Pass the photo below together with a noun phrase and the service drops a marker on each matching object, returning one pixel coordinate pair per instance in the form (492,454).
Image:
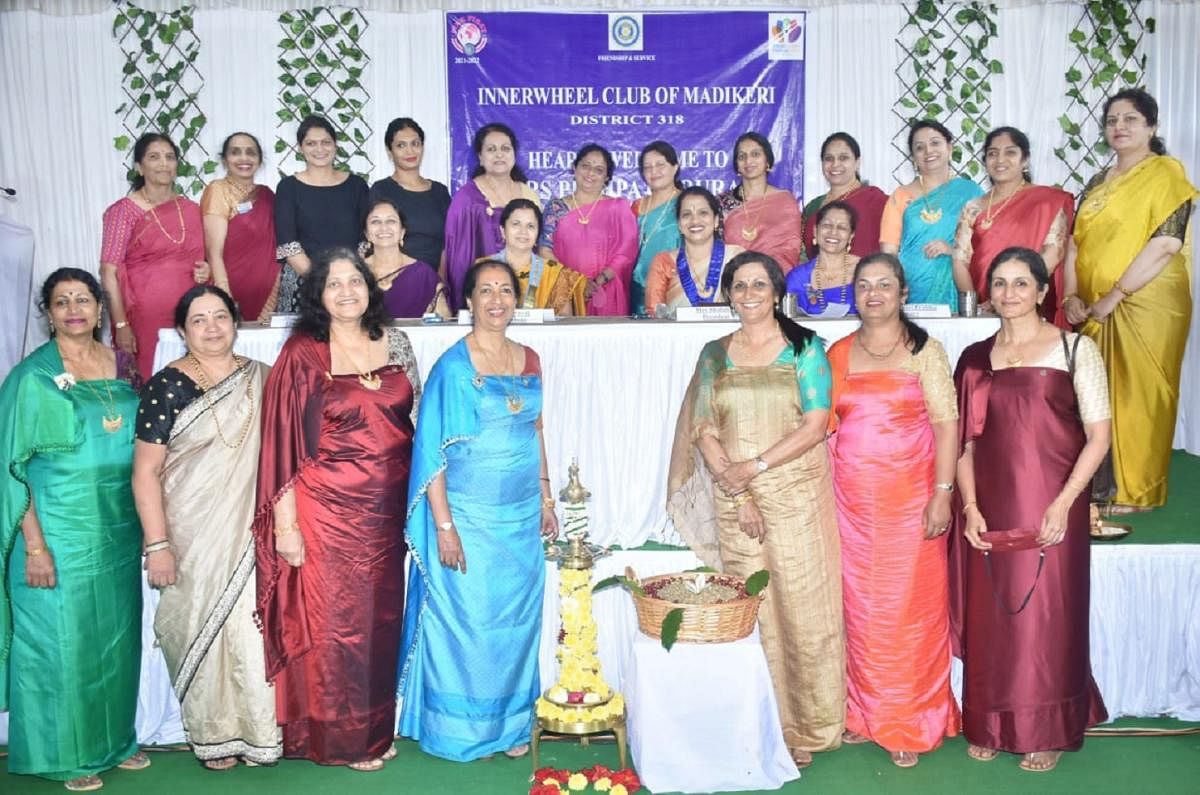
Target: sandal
(981,753)
(517,751)
(905,758)
(369,766)
(84,784)
(390,754)
(854,738)
(801,758)
(1040,761)
(139,761)
(220,763)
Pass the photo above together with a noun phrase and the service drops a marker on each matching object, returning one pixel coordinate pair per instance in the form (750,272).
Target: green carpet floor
(1117,765)
(1177,522)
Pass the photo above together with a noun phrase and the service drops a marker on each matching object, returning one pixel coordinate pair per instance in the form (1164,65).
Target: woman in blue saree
(920,218)
(478,494)
(657,228)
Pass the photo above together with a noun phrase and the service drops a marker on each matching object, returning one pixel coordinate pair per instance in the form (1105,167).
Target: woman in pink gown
(594,234)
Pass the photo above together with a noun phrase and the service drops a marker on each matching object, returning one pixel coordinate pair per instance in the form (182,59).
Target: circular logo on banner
(468,34)
(626,31)
(786,31)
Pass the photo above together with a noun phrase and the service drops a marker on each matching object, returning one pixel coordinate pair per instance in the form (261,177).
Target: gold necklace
(158,222)
(644,236)
(989,217)
(512,399)
(750,231)
(927,215)
(583,219)
(369,380)
(492,206)
(878,356)
(818,281)
(111,420)
(206,385)
(842,197)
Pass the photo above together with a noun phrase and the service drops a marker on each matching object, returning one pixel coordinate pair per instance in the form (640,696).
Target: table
(690,731)
(612,395)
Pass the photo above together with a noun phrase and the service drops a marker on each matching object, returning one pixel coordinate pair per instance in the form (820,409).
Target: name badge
(245,207)
(702,313)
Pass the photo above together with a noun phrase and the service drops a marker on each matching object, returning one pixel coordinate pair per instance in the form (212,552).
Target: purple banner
(696,80)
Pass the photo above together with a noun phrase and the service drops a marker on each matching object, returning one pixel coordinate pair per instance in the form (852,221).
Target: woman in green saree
(70,543)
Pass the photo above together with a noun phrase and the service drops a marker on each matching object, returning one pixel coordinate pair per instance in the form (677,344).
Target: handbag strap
(987,564)
(1069,353)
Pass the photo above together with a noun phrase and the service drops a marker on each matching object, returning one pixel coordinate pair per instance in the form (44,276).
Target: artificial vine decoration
(946,73)
(1107,40)
(161,85)
(321,64)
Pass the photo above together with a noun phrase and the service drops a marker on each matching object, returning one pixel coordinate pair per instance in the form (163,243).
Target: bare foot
(369,766)
(139,761)
(801,758)
(517,751)
(904,758)
(854,738)
(223,763)
(981,754)
(1040,761)
(389,754)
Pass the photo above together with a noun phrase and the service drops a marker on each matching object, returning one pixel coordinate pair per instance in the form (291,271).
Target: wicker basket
(714,623)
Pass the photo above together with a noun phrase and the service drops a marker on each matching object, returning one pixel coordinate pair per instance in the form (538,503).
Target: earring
(814,241)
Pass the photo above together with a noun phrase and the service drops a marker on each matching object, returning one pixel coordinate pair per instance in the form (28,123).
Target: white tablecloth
(703,717)
(612,394)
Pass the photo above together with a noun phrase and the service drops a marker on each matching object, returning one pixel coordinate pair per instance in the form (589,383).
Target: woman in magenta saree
(594,234)
(152,251)
(336,448)
(1035,426)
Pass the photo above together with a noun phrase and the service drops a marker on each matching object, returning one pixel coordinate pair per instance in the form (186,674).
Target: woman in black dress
(423,201)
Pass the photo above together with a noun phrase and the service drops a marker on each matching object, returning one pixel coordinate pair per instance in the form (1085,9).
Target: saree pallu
(205,621)
(770,225)
(657,231)
(894,581)
(605,237)
(558,287)
(249,255)
(414,291)
(332,625)
(1143,340)
(472,231)
(1027,681)
(868,201)
(70,660)
(1025,220)
(156,268)
(800,620)
(931,281)
(470,670)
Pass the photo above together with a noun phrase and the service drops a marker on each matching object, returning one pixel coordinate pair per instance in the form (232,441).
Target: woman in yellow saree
(1128,287)
(545,283)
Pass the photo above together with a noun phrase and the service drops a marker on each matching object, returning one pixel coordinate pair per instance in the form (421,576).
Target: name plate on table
(522,316)
(282,320)
(691,314)
(927,310)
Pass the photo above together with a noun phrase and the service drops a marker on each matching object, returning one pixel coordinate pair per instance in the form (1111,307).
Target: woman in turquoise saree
(920,218)
(657,228)
(478,495)
(70,544)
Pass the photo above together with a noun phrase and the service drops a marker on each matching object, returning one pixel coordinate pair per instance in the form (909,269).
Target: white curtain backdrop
(60,85)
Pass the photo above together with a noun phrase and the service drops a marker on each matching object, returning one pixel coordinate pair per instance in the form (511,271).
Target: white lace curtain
(60,85)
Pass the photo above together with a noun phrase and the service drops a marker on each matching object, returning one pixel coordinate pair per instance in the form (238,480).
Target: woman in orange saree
(1128,282)
(757,215)
(1013,213)
(893,454)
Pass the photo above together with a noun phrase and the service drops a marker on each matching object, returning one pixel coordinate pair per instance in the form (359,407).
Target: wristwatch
(944,486)
(444,526)
(121,324)
(761,465)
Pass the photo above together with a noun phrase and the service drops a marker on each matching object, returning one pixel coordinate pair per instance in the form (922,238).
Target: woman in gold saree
(754,417)
(1128,284)
(194,474)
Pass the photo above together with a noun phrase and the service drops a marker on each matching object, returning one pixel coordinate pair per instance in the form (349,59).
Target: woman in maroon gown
(336,451)
(1034,411)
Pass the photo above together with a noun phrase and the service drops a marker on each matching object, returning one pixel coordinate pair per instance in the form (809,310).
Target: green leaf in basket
(704,569)
(757,581)
(672,621)
(623,581)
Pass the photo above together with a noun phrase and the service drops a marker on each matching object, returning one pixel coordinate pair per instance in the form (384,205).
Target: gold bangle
(280,532)
(1117,286)
(157,546)
(120,324)
(33,553)
(548,502)
(1068,298)
(742,498)
(968,504)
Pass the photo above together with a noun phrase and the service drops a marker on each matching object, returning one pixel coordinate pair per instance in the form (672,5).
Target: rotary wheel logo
(626,31)
(468,35)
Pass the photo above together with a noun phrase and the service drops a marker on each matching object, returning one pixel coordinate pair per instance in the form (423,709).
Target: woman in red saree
(594,234)
(1035,426)
(152,251)
(893,458)
(239,230)
(329,530)
(757,215)
(840,158)
(1013,213)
